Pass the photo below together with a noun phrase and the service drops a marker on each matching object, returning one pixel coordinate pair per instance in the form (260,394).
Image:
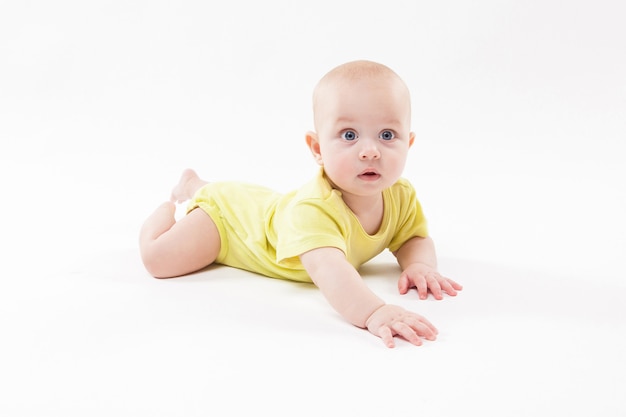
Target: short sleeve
(411,221)
(308,225)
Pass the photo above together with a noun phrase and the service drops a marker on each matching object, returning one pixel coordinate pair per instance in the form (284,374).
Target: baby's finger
(423,326)
(422,287)
(403,284)
(425,330)
(434,287)
(447,287)
(407,332)
(385,334)
(455,285)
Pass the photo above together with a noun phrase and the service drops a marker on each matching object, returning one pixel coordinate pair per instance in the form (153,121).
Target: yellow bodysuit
(264,231)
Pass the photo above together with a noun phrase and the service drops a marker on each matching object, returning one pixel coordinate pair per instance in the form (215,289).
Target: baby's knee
(155,263)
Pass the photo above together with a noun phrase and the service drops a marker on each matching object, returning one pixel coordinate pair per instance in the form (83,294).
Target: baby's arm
(345,290)
(418,261)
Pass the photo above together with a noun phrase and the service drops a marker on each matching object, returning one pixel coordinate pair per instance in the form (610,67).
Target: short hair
(358,70)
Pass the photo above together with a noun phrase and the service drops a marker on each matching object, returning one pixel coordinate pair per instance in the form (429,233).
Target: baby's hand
(425,278)
(390,320)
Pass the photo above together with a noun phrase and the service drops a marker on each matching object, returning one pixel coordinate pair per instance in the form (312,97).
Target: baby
(354,208)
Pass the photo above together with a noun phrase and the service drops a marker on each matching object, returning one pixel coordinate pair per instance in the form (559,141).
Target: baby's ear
(411,138)
(313,143)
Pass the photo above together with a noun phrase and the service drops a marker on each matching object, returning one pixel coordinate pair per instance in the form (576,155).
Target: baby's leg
(169,248)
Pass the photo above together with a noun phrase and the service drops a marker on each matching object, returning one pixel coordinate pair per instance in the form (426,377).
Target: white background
(520,114)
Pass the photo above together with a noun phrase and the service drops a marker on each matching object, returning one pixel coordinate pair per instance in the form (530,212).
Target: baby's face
(363,131)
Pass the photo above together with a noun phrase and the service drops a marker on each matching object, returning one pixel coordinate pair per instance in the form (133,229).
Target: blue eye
(349,135)
(387,135)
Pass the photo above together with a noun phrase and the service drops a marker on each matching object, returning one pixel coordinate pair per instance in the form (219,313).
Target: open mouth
(369,175)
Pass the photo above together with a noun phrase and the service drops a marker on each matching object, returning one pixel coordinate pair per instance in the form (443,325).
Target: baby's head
(360,74)
(362,118)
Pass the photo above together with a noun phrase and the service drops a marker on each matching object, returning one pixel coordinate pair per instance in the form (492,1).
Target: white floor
(520,115)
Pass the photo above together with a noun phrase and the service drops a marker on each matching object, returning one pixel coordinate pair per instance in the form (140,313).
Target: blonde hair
(357,70)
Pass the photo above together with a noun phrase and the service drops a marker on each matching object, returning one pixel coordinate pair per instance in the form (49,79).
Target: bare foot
(187,186)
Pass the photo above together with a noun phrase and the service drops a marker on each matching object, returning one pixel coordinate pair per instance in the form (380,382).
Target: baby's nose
(369,151)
